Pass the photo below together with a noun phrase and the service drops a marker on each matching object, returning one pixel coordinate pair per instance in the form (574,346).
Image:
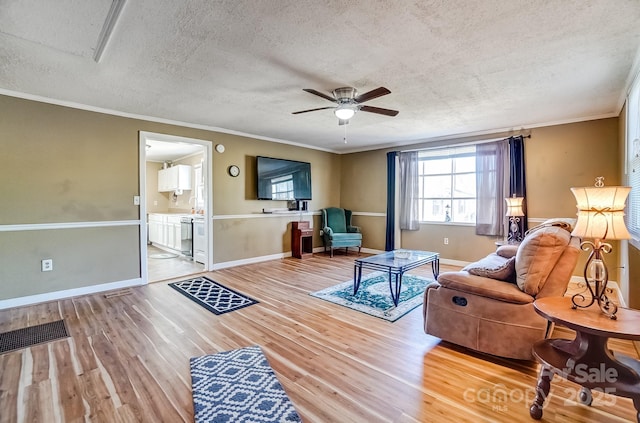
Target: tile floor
(168,268)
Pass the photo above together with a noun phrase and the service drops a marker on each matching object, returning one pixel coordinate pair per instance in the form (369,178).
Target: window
(633,159)
(447,185)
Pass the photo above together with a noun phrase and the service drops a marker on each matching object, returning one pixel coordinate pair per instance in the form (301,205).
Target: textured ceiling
(162,151)
(453,67)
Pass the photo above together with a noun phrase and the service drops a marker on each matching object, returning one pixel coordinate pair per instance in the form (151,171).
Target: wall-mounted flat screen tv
(280,179)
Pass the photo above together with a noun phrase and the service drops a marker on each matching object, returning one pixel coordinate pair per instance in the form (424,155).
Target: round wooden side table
(586,360)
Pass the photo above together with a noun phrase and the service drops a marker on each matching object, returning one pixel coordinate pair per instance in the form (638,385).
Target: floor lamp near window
(514,213)
(600,218)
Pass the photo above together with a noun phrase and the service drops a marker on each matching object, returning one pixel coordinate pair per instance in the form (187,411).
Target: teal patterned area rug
(374,297)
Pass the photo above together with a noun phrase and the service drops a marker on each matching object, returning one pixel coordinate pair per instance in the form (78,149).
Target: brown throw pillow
(495,267)
(507,251)
(538,255)
(564,223)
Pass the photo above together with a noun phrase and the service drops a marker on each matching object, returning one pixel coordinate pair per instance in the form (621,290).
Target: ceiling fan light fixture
(344,112)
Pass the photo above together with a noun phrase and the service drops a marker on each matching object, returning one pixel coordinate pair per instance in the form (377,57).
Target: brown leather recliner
(497,316)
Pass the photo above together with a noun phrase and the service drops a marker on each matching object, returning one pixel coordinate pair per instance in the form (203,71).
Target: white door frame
(207,167)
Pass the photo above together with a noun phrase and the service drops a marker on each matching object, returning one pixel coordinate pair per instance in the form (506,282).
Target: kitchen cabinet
(156,229)
(173,229)
(170,232)
(175,178)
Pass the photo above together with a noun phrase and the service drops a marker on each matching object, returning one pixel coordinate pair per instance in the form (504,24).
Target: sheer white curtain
(492,186)
(409,190)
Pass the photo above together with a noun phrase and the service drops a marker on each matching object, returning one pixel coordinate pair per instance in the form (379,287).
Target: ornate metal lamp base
(514,236)
(599,279)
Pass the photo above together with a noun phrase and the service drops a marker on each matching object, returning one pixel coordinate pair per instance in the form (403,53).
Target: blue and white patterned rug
(374,297)
(238,386)
(211,295)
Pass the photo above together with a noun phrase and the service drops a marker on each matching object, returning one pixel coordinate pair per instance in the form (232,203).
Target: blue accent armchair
(337,231)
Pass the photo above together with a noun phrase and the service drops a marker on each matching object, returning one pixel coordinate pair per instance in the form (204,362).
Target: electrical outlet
(47,265)
(446,241)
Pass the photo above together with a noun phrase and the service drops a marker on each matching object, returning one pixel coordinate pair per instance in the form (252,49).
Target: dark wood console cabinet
(301,240)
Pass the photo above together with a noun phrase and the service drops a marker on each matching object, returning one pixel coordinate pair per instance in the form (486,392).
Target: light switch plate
(136,200)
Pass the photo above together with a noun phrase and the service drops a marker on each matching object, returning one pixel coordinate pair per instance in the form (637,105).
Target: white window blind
(633,158)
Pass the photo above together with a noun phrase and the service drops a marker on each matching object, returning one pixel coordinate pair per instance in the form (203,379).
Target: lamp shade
(601,212)
(514,206)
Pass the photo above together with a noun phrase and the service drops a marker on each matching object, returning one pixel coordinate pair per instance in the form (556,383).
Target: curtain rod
(462,143)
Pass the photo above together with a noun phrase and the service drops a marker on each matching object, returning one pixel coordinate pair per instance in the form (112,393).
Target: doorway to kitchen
(175,206)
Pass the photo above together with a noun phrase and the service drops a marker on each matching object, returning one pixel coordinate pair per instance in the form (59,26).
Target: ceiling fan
(349,102)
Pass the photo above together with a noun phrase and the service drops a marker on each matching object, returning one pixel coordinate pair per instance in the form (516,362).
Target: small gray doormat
(33,335)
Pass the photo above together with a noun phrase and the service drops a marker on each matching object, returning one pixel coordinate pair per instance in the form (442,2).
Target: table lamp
(600,217)
(514,212)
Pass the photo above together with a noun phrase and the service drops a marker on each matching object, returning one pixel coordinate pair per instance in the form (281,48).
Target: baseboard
(234,263)
(67,293)
(454,262)
(252,260)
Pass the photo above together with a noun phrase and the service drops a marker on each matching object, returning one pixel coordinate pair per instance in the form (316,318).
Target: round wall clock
(220,148)
(234,170)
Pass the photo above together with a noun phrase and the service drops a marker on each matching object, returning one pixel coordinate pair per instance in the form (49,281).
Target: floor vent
(120,293)
(33,335)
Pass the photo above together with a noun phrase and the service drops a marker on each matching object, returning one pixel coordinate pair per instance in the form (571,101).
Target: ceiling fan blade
(343,122)
(379,110)
(319,94)
(312,110)
(378,92)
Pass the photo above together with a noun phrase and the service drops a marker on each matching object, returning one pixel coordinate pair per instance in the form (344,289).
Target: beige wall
(238,195)
(364,181)
(60,165)
(257,237)
(564,156)
(363,188)
(157,202)
(63,165)
(81,257)
(557,158)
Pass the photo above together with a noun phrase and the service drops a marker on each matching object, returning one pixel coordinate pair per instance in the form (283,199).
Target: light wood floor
(127,359)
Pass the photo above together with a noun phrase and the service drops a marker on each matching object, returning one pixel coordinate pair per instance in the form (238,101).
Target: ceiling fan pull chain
(345,133)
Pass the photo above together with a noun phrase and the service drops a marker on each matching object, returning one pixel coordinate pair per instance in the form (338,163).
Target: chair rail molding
(67,225)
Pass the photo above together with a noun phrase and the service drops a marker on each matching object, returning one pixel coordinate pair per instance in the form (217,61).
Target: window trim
(452,175)
(632,132)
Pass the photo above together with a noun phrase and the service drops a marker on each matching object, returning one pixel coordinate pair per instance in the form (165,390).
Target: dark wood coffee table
(586,360)
(391,263)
